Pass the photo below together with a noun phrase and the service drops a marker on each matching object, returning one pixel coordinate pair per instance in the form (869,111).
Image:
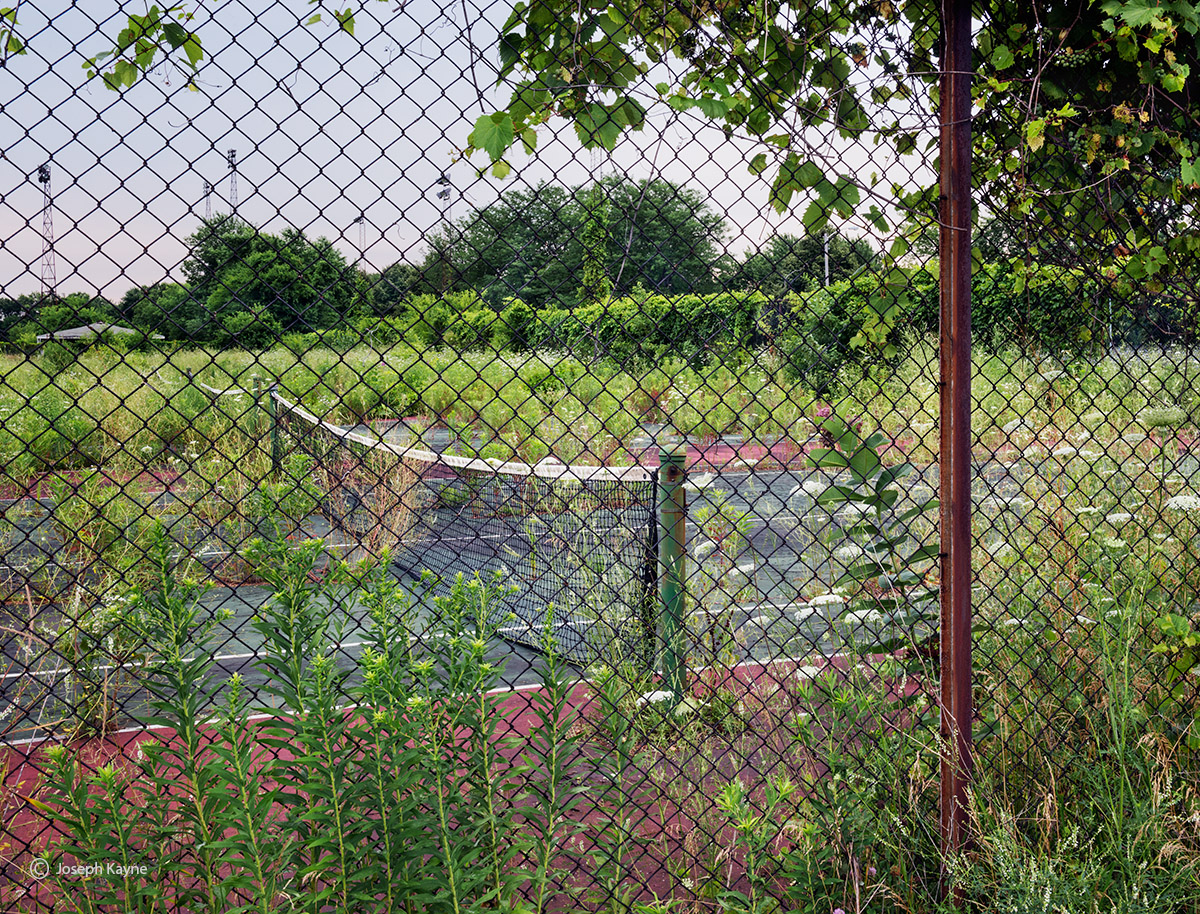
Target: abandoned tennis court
(599,458)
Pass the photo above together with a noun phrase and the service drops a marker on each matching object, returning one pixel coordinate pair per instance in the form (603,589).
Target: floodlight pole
(954,467)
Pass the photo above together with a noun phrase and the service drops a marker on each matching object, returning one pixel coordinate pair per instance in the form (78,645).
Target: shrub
(470,330)
(851,324)
(57,356)
(516,327)
(1040,309)
(249,330)
(643,329)
(293,804)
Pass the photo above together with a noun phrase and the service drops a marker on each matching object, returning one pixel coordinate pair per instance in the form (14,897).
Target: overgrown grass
(812,790)
(130,411)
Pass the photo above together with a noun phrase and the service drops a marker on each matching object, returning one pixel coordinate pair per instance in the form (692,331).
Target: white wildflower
(655,697)
(1187,502)
(811,488)
(1119,517)
(849,553)
(827,599)
(1162,417)
(808,672)
(1012,425)
(862,617)
(744,570)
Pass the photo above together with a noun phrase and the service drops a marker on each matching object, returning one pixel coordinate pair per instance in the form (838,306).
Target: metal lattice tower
(49,280)
(362,235)
(208,189)
(232,158)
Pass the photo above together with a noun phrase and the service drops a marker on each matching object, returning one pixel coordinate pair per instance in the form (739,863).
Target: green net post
(256,414)
(672,555)
(273,419)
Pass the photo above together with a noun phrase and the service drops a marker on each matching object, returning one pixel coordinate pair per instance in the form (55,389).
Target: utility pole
(825,236)
(444,195)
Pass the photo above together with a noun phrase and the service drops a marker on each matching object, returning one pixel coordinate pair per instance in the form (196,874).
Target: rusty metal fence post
(954,476)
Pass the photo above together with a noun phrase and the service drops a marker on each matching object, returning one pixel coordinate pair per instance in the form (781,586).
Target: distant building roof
(90,331)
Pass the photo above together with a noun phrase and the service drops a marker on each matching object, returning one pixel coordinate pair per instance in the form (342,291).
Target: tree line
(547,246)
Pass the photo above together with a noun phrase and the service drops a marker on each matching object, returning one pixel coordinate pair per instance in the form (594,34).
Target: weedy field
(807,740)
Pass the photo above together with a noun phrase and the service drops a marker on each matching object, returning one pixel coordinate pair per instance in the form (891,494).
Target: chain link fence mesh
(342,410)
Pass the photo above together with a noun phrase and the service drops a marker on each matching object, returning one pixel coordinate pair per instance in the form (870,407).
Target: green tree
(391,288)
(594,285)
(530,244)
(160,308)
(1087,112)
(787,263)
(262,284)
(49,314)
(12,312)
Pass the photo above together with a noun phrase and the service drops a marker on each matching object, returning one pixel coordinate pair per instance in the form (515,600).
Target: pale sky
(326,127)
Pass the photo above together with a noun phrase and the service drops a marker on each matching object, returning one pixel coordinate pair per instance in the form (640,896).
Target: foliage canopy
(1112,160)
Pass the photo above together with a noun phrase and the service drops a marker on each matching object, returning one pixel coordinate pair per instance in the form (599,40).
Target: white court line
(218,554)
(344,645)
(28,741)
(511,630)
(136,665)
(502,632)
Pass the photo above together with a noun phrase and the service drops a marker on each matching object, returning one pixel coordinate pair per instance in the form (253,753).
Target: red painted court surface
(763,697)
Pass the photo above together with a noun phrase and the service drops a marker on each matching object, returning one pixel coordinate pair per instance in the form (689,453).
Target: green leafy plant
(554,805)
(756,830)
(1181,649)
(726,526)
(614,837)
(405,801)
(890,572)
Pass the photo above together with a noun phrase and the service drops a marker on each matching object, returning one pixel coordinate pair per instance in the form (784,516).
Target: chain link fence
(487,457)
